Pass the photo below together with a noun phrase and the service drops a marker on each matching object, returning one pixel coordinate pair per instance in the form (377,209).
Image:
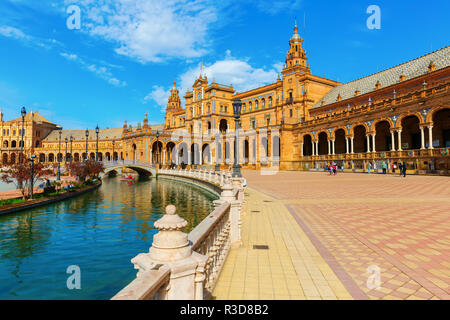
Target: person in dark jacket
(404,169)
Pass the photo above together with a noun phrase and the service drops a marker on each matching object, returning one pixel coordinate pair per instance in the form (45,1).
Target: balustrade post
(171,249)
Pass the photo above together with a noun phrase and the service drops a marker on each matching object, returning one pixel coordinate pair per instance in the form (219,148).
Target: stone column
(373,142)
(368,142)
(313,145)
(301,149)
(333,146)
(399,133)
(422,136)
(329,147)
(393,140)
(317,147)
(430,137)
(347,145)
(351,144)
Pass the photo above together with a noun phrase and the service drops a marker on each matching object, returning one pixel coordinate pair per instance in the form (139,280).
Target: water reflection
(99,231)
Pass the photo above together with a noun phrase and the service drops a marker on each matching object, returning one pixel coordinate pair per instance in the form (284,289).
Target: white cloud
(102,72)
(17,34)
(150,30)
(230,70)
(160,96)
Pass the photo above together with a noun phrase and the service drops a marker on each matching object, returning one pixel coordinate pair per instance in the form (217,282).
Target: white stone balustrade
(181,266)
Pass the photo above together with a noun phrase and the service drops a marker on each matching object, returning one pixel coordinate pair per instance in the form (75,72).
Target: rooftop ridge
(398,65)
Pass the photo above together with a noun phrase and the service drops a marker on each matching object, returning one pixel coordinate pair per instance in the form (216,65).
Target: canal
(99,232)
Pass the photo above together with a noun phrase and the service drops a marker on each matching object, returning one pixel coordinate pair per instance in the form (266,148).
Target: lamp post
(33,156)
(58,176)
(24,113)
(87,135)
(157,148)
(237,105)
(71,140)
(113,143)
(217,168)
(66,140)
(97,130)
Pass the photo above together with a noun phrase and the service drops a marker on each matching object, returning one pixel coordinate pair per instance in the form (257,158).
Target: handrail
(146,286)
(201,231)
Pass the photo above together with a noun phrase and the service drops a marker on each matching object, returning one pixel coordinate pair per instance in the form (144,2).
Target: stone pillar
(422,136)
(368,142)
(351,144)
(399,133)
(164,157)
(171,249)
(317,147)
(329,147)
(393,140)
(313,145)
(347,145)
(430,137)
(373,142)
(333,146)
(301,149)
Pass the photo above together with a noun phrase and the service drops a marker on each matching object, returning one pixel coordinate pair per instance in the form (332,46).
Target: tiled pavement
(346,223)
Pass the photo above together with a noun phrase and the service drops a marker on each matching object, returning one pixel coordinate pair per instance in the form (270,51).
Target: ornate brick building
(299,122)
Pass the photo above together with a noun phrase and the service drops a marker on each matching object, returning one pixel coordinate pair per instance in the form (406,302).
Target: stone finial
(170,243)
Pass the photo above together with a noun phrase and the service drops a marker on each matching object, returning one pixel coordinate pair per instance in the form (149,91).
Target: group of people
(402,167)
(332,168)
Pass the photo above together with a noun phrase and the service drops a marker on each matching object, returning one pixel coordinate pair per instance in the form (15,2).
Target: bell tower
(174,103)
(296,56)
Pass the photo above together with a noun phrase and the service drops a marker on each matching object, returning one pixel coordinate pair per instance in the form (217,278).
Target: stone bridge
(141,167)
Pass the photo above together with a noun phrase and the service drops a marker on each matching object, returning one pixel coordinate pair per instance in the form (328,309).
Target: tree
(90,168)
(20,174)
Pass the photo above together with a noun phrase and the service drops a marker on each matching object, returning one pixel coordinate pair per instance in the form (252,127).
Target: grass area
(47,195)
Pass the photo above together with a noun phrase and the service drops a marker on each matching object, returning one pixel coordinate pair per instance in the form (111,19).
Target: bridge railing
(115,163)
(204,253)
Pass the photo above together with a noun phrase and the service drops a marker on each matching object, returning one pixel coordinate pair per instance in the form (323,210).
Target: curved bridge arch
(142,168)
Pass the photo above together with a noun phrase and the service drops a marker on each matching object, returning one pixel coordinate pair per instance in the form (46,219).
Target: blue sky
(125,57)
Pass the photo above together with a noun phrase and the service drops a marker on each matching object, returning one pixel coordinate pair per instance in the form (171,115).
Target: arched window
(243,107)
(270,102)
(263,103)
(250,106)
(256,104)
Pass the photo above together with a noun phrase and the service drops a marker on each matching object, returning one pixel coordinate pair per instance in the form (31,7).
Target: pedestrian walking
(384,166)
(334,169)
(394,166)
(400,168)
(368,167)
(404,169)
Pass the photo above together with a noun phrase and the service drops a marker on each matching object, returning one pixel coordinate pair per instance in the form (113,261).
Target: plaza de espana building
(299,122)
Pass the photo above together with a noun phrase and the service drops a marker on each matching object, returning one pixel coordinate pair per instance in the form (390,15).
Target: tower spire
(295,27)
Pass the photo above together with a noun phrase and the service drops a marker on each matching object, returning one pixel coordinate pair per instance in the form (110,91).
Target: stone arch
(411,136)
(223,125)
(13,144)
(107,156)
(383,137)
(183,154)
(322,137)
(276,148)
(171,152)
(433,111)
(51,157)
(5,144)
(157,147)
(76,157)
(13,157)
(307,145)
(389,120)
(42,157)
(340,141)
(246,151)
(359,138)
(206,156)
(5,159)
(357,125)
(441,127)
(409,114)
(195,154)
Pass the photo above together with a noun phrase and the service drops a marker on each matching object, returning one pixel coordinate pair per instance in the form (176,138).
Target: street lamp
(24,113)
(87,135)
(58,177)
(33,156)
(217,168)
(113,143)
(66,140)
(97,130)
(71,140)
(237,105)
(157,148)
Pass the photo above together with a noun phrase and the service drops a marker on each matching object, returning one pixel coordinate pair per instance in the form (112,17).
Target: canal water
(99,232)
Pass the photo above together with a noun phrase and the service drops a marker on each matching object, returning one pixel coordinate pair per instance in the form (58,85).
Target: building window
(256,104)
(290,113)
(226,109)
(270,102)
(243,107)
(250,106)
(263,103)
